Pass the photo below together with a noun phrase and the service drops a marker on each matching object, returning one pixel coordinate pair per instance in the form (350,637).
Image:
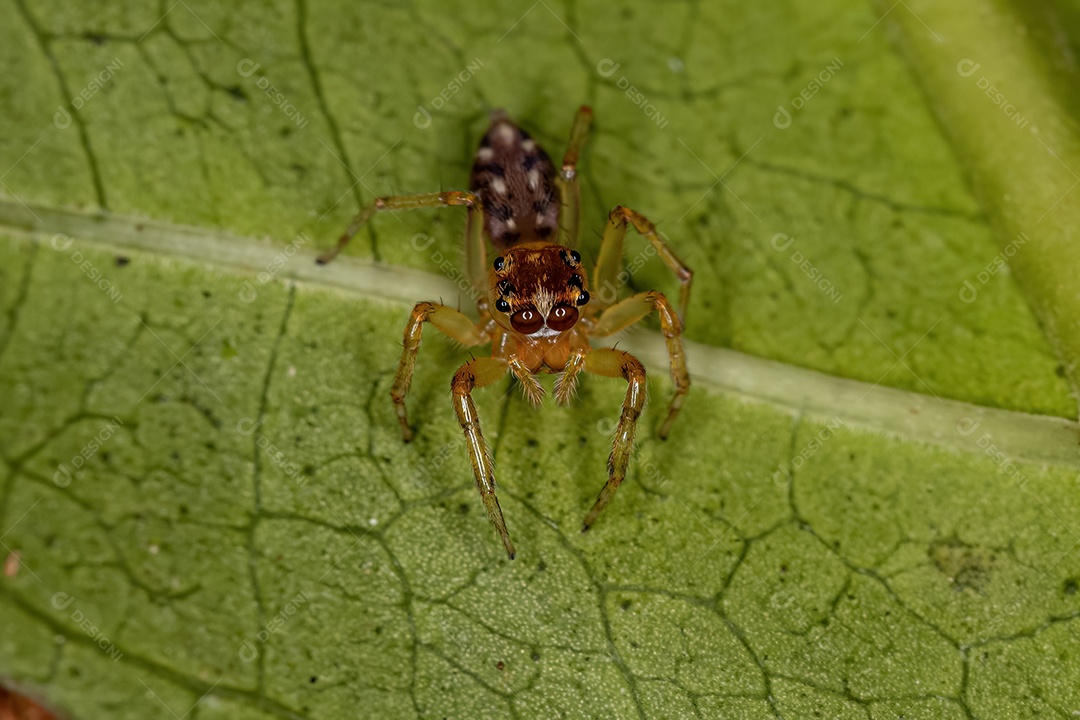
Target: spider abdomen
(515,180)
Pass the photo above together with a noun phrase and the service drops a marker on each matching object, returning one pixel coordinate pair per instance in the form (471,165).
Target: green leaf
(867,508)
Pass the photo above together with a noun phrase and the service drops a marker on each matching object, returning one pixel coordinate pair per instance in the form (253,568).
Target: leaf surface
(867,508)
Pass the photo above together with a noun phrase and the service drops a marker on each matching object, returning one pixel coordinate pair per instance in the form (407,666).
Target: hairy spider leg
(476,374)
(451,322)
(633,309)
(610,263)
(567,179)
(617,363)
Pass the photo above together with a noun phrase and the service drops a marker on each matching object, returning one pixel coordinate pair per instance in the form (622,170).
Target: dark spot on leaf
(500,665)
(967,567)
(313,679)
(237,93)
(121,261)
(1070,587)
(464,508)
(625,604)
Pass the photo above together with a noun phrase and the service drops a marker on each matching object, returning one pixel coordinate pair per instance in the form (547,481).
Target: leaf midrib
(796,390)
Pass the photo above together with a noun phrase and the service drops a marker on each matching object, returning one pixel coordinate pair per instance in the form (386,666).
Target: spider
(534,305)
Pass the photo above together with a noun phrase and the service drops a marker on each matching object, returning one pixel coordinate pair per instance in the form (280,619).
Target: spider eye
(562,318)
(527,321)
(502,306)
(583,297)
(500,263)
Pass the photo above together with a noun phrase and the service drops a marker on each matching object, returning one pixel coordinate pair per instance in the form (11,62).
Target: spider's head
(537,288)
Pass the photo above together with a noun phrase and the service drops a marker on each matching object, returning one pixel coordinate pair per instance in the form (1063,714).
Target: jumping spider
(535,307)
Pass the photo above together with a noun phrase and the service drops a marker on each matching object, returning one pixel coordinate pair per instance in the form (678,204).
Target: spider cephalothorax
(535,308)
(537,289)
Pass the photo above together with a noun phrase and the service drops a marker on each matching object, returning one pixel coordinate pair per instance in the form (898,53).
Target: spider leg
(450,198)
(448,320)
(609,267)
(567,180)
(474,374)
(617,363)
(631,310)
(476,264)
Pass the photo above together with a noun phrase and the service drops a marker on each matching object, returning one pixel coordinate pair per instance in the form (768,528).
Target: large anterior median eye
(527,321)
(562,318)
